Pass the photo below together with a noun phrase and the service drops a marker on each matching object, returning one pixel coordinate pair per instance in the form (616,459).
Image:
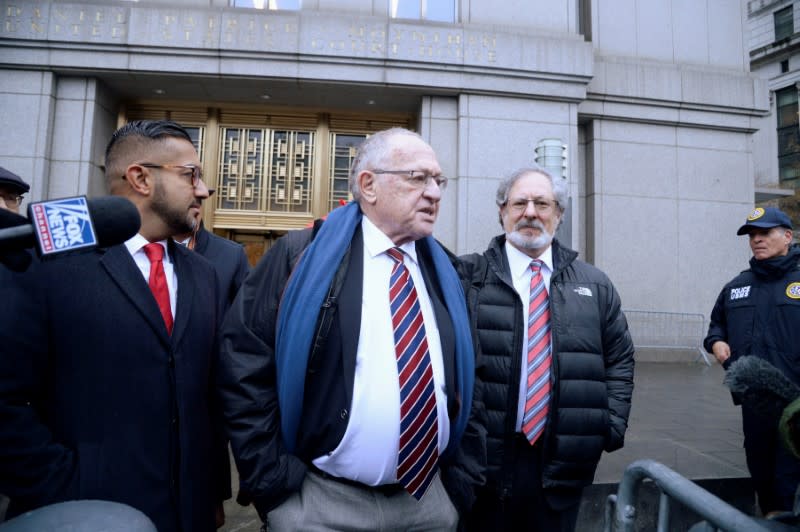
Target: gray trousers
(326,504)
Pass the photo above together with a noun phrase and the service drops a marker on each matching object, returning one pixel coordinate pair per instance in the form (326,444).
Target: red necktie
(158,281)
(537,398)
(419,427)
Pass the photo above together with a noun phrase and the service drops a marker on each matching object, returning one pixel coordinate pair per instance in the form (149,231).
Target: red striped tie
(537,398)
(158,281)
(419,449)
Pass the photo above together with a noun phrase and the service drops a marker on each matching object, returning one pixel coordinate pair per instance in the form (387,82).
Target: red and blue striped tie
(419,441)
(537,398)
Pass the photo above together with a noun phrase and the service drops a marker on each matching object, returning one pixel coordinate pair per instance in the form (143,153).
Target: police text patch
(740,293)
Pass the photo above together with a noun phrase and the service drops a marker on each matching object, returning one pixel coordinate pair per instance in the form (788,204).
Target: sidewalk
(682,416)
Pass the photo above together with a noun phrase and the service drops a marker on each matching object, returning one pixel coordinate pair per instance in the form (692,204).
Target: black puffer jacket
(592,377)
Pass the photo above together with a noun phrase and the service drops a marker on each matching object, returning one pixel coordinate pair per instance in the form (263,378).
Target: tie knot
(154,252)
(536,265)
(396,254)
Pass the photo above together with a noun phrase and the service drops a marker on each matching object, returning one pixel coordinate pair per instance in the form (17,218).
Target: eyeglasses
(11,199)
(197,172)
(543,206)
(417,178)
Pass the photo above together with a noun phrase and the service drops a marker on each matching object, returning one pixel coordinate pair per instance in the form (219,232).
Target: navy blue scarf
(300,307)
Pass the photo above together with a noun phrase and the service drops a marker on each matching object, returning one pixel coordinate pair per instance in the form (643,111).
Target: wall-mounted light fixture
(551,154)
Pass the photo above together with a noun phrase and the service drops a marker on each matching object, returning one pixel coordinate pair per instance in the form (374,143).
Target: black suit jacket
(230,263)
(228,259)
(97,400)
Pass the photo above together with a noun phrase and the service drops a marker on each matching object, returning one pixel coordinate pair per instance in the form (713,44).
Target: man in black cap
(12,187)
(758,314)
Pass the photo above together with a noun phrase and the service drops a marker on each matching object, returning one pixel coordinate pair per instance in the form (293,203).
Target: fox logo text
(63,225)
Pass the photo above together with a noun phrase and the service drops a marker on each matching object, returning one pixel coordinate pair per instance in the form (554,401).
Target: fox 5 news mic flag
(66,225)
(62,225)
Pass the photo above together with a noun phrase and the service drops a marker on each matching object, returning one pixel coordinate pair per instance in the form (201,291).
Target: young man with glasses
(12,187)
(106,378)
(557,362)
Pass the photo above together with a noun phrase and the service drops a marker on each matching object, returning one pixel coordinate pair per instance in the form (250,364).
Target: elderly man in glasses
(347,362)
(557,362)
(12,187)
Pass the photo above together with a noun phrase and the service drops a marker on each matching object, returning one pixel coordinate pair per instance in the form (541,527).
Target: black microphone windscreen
(115,219)
(760,385)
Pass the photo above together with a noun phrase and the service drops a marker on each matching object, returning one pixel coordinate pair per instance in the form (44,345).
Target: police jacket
(758,313)
(592,373)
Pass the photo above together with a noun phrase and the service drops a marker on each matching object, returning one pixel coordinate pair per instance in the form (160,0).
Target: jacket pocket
(740,317)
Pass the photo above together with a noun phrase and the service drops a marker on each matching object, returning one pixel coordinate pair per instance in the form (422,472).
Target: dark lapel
(350,308)
(187,284)
(201,240)
(123,270)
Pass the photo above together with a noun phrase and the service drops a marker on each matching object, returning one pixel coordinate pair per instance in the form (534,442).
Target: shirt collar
(137,242)
(376,241)
(519,262)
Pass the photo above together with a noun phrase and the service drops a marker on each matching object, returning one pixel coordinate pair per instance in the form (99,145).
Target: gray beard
(526,242)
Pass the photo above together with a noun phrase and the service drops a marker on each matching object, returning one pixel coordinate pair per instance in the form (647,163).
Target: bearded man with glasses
(556,362)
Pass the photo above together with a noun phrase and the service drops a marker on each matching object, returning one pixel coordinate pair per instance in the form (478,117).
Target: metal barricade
(668,330)
(620,511)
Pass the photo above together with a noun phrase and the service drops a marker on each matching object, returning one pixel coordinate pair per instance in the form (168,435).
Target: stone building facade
(647,108)
(774,46)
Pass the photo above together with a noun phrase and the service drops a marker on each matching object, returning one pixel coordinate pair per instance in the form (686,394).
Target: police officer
(758,314)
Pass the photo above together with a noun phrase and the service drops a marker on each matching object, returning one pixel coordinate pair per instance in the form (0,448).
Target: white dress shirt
(369,448)
(135,247)
(520,265)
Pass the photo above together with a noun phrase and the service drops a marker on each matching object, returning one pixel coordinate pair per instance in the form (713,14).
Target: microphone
(66,225)
(766,390)
(760,386)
